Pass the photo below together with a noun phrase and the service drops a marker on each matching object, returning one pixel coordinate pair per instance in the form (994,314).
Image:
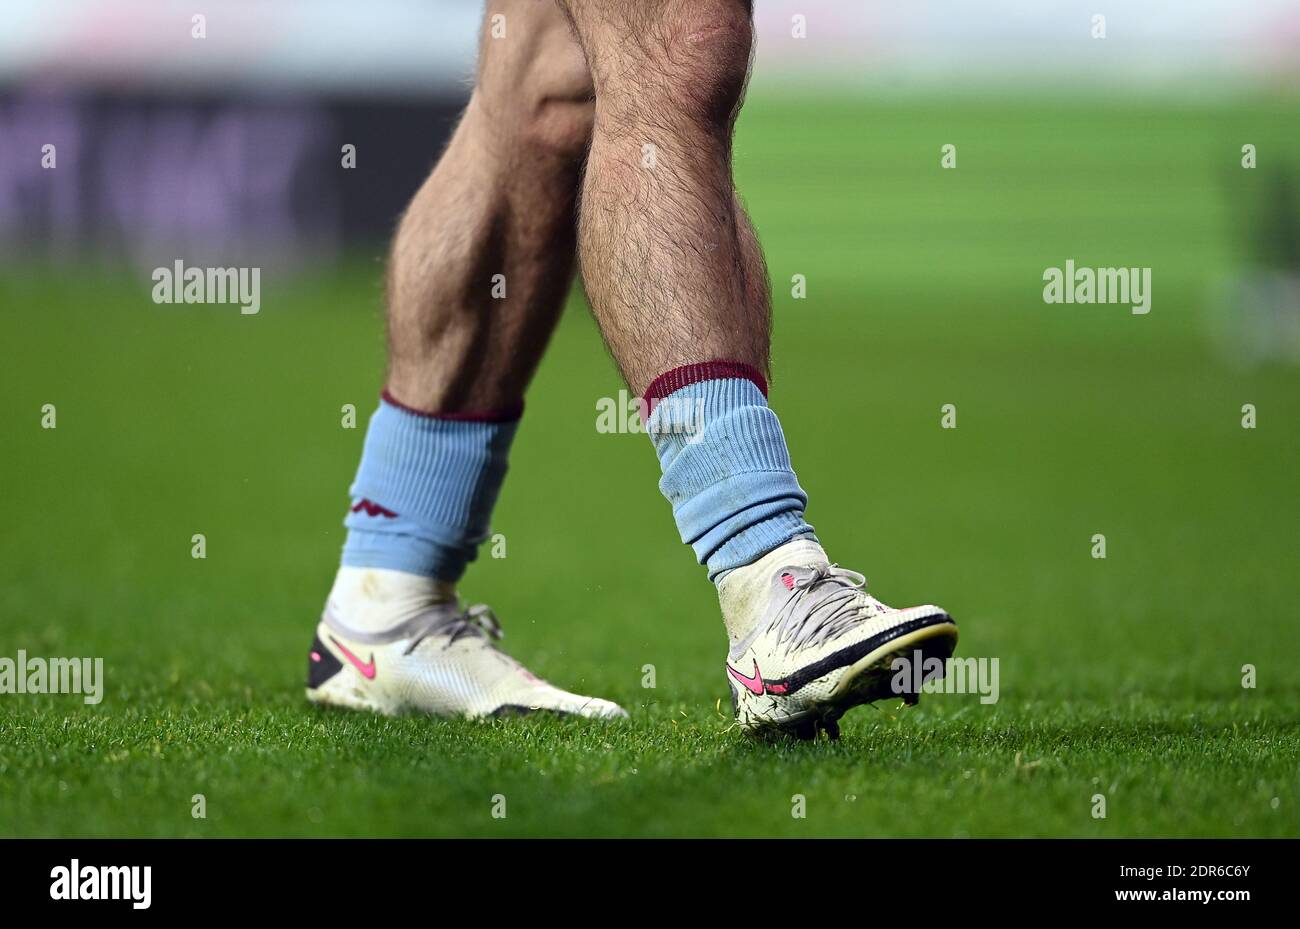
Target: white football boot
(808,643)
(393,643)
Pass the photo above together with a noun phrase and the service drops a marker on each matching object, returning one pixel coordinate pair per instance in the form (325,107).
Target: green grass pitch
(1120,677)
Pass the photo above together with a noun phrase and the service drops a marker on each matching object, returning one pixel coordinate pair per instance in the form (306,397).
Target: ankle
(375,599)
(743,592)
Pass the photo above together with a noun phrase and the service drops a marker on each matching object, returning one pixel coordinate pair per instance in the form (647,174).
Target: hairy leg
(671,264)
(674,272)
(479,270)
(499,202)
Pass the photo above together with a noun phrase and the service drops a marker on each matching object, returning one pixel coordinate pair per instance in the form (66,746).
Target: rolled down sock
(424,492)
(726,469)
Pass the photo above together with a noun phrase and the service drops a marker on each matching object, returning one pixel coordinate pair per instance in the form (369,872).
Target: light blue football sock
(424,492)
(726,469)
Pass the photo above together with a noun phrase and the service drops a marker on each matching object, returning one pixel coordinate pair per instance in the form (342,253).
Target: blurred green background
(1120,676)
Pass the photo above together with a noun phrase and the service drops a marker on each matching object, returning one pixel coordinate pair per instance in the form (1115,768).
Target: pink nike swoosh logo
(753,684)
(367,668)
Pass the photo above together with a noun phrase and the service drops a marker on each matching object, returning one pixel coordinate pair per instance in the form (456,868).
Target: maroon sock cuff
(508,415)
(687,375)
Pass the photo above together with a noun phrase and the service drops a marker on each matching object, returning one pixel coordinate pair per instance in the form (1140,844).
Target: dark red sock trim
(508,415)
(687,375)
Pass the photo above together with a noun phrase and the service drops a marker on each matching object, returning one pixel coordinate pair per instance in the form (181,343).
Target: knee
(535,85)
(558,109)
(697,56)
